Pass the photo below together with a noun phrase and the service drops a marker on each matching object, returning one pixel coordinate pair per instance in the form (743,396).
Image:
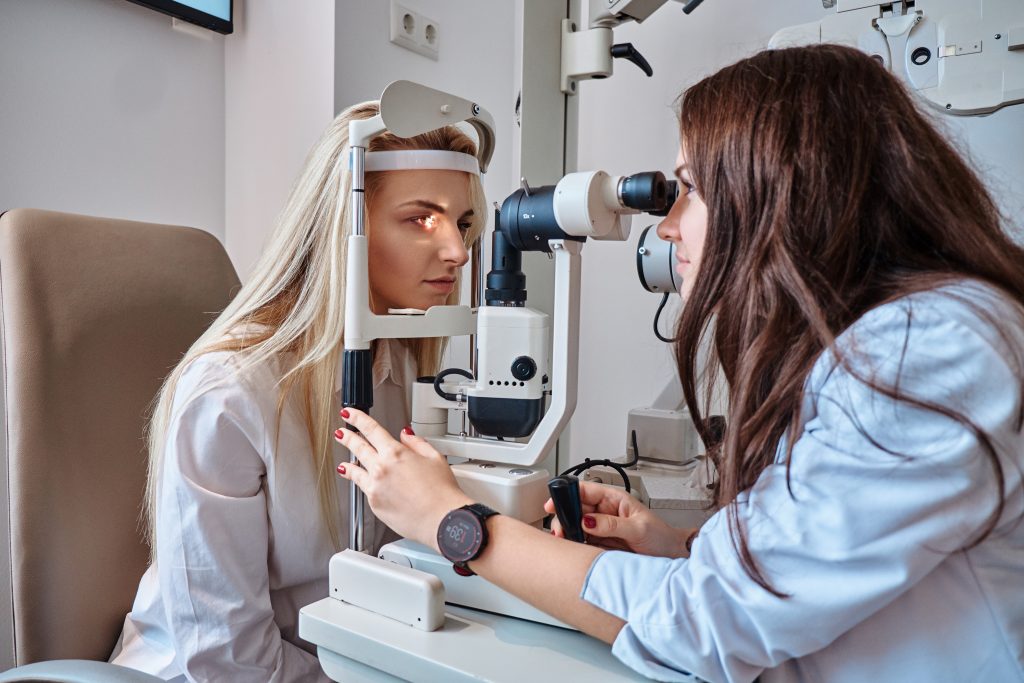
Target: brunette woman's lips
(443,286)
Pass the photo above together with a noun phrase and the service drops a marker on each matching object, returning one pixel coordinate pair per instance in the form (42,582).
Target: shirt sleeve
(882,492)
(212,548)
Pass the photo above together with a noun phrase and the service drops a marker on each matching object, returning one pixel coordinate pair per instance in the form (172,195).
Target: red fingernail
(345,413)
(553,533)
(341,469)
(589,521)
(339,433)
(408,430)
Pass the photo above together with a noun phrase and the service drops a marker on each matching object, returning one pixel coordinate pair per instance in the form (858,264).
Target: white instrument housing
(965,57)
(587,204)
(408,595)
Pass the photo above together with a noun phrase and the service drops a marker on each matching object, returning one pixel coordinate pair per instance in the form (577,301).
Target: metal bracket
(585,54)
(896,29)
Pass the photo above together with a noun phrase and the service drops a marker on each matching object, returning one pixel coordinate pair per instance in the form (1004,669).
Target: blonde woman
(242,505)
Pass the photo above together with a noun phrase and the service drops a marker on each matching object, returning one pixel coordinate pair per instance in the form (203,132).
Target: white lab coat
(870,545)
(241,545)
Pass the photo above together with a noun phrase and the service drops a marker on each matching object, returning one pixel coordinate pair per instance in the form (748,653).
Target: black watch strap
(481,511)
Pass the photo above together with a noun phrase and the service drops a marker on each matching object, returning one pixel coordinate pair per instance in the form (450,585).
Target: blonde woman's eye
(465,227)
(427,222)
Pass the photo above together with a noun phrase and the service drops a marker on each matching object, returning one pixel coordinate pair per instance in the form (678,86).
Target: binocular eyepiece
(582,205)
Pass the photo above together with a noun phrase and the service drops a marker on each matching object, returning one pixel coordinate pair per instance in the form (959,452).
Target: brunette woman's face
(417,222)
(686,226)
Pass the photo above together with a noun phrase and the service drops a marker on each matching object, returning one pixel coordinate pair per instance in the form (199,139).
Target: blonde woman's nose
(453,247)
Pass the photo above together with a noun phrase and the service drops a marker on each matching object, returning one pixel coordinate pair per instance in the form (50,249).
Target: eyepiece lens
(645,191)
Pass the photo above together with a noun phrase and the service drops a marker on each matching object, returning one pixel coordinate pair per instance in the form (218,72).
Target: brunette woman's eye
(690,189)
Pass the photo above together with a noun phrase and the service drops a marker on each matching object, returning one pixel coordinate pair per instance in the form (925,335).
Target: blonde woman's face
(416,226)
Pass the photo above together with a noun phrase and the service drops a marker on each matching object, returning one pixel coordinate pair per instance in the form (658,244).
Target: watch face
(460,536)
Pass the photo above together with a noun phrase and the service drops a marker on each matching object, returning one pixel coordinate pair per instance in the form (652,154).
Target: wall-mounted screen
(212,14)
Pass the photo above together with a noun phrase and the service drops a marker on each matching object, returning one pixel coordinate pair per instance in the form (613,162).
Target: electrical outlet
(413,31)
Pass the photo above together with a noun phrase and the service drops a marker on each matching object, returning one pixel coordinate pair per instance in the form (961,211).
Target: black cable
(440,378)
(619,467)
(657,315)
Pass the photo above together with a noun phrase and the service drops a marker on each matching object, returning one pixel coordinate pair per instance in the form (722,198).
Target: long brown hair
(828,194)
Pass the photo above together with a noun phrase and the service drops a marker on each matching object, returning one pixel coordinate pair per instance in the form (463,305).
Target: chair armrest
(75,671)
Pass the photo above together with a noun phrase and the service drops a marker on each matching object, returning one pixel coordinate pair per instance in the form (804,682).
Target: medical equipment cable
(439,379)
(619,467)
(657,316)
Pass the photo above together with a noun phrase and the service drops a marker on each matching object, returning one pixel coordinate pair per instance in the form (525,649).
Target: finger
(610,500)
(549,507)
(594,494)
(610,526)
(556,528)
(371,430)
(357,446)
(419,445)
(353,472)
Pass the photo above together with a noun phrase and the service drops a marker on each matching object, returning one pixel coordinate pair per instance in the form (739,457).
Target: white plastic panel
(970,67)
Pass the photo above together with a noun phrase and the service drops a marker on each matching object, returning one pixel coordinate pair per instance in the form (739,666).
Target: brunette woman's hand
(407,483)
(616,520)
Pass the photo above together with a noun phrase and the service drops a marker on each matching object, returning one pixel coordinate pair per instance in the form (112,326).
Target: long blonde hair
(293,304)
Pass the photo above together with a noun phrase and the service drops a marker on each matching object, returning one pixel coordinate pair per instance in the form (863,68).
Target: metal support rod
(476,300)
(356,499)
(358,196)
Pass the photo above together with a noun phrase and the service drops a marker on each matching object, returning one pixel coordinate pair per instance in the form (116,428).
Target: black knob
(524,368)
(630,53)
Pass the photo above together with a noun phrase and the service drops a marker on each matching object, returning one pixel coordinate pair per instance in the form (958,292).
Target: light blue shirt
(870,546)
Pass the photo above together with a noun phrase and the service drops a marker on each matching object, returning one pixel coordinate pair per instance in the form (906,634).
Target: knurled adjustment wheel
(524,368)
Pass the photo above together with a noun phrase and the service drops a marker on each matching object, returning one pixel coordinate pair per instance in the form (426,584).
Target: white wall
(291,67)
(105,110)
(473,63)
(279,93)
(627,125)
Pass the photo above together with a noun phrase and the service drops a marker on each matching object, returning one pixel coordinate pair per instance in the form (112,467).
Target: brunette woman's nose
(668,228)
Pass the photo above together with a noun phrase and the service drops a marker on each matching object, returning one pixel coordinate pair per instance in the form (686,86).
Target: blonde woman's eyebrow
(431,206)
(423,204)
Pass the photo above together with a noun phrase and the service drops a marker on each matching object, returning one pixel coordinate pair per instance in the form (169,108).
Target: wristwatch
(462,535)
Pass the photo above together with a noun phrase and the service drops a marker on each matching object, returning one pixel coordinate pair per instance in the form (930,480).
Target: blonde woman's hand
(616,520)
(407,483)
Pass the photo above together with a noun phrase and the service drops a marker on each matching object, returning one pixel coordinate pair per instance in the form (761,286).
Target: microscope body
(504,401)
(512,348)
(506,397)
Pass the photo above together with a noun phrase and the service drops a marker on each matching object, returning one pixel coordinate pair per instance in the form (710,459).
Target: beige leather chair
(93,314)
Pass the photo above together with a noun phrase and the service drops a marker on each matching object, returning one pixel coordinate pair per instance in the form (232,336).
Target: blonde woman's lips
(443,286)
